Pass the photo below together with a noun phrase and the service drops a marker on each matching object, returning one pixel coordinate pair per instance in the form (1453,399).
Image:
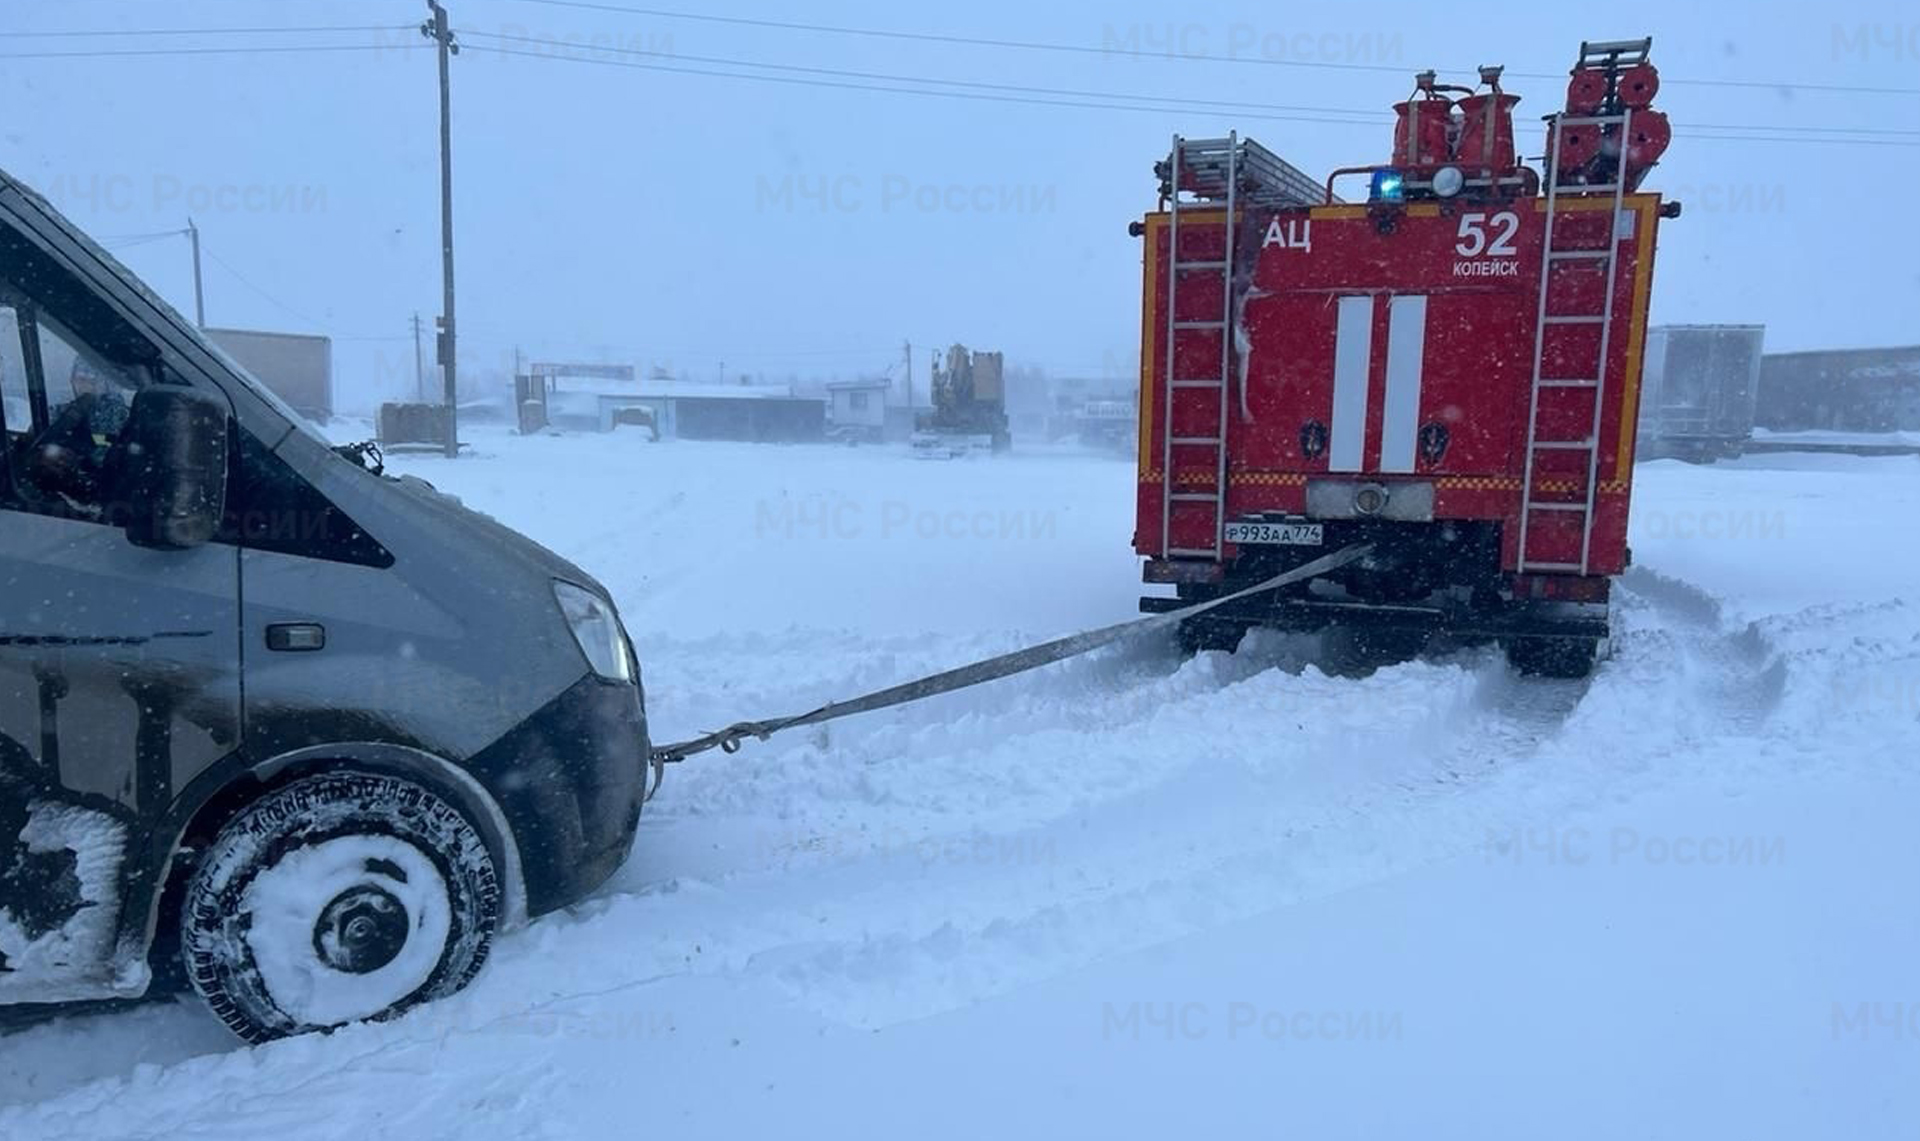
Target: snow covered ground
(1128,895)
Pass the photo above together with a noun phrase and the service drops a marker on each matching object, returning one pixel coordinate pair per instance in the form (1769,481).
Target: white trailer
(296,367)
(1698,388)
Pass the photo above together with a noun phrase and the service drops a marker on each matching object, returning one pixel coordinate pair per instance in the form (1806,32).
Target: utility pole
(419,365)
(199,298)
(906,357)
(438,31)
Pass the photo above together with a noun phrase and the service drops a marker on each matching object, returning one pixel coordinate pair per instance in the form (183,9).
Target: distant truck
(1698,390)
(297,367)
(969,408)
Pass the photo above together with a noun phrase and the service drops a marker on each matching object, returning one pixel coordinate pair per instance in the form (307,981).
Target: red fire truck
(1446,370)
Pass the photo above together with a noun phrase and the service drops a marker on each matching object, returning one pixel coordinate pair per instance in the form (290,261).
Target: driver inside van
(74,457)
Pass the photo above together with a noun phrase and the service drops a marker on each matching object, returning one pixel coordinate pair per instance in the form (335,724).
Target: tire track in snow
(1277,849)
(1740,670)
(1220,833)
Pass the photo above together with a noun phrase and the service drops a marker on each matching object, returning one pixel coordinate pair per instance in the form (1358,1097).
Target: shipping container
(1697,393)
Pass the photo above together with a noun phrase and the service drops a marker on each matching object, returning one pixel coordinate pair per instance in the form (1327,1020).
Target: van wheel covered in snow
(1561,657)
(336,899)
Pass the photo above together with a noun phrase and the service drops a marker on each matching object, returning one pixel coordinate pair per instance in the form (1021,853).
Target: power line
(968,41)
(136,237)
(130,243)
(243,279)
(257,50)
(884,77)
(1069,103)
(1359,116)
(1813,130)
(1154,103)
(979,91)
(1692,137)
(65,33)
(970,95)
(944,38)
(1108,51)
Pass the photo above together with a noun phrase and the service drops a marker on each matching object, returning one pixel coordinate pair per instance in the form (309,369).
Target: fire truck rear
(1447,371)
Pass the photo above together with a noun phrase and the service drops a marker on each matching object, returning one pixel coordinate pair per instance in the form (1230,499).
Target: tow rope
(991,669)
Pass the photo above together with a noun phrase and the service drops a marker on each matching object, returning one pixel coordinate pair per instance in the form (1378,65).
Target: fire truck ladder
(1531,503)
(1211,168)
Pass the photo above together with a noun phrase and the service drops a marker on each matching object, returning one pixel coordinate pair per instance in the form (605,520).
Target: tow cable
(728,740)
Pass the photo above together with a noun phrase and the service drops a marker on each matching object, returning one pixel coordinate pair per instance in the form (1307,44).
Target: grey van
(305,734)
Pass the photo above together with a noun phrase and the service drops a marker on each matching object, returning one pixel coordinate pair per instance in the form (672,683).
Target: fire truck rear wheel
(1552,657)
(1347,651)
(1201,634)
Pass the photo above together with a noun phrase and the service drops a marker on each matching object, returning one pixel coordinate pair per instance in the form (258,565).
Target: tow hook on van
(730,739)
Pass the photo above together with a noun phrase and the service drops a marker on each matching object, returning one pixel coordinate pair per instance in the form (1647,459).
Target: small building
(1097,410)
(771,416)
(857,409)
(757,413)
(1112,425)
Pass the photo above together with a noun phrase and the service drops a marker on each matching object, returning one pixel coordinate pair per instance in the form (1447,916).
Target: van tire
(339,898)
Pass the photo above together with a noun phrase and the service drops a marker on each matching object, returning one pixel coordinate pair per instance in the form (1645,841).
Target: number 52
(1473,235)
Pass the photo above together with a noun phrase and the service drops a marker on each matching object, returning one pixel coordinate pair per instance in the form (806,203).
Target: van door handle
(296,637)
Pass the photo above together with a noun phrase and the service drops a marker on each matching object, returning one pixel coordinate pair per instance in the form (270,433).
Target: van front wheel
(336,899)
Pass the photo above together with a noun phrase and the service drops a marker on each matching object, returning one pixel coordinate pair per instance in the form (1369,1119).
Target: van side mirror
(174,473)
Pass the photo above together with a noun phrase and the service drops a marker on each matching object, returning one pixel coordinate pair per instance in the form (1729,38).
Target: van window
(15,413)
(271,508)
(66,408)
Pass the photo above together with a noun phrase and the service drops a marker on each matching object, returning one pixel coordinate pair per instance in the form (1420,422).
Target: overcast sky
(606,211)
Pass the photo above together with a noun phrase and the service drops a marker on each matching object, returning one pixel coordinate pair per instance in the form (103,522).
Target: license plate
(1282,534)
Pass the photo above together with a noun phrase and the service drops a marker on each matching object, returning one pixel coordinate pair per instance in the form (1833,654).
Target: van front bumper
(571,780)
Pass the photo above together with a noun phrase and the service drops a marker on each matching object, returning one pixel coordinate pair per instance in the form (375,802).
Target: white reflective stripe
(1352,361)
(1406,346)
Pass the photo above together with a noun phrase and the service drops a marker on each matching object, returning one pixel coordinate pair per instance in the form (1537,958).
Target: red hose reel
(1637,86)
(1582,152)
(1648,135)
(1586,91)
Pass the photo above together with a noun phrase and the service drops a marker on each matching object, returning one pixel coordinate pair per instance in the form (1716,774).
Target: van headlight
(597,628)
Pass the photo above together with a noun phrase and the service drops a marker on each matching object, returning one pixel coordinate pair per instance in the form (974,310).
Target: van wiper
(366,453)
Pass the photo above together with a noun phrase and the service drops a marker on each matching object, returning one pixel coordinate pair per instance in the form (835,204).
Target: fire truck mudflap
(1447,371)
